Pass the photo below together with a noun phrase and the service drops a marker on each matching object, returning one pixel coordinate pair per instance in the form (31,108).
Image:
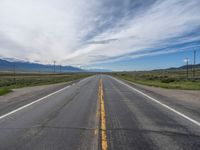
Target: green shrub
(168,80)
(4,91)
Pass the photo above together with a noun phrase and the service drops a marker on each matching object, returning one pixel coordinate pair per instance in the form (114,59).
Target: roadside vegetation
(9,81)
(171,79)
(4,91)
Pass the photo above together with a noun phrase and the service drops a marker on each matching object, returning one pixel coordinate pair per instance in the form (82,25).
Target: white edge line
(27,105)
(164,105)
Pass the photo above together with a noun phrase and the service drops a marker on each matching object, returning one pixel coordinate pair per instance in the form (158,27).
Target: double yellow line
(104,144)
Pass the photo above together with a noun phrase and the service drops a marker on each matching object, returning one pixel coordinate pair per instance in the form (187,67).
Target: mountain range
(21,66)
(197,66)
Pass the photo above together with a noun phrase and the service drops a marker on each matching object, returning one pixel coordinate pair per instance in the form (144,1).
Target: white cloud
(84,32)
(43,30)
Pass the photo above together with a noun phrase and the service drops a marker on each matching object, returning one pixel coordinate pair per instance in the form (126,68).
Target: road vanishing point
(98,113)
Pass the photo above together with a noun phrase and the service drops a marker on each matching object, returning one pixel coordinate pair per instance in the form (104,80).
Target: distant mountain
(99,70)
(197,66)
(190,66)
(185,67)
(20,66)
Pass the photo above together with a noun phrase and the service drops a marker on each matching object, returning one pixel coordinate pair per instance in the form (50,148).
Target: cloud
(83,32)
(103,41)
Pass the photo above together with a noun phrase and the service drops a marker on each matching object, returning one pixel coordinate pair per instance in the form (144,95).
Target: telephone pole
(186,61)
(194,65)
(14,72)
(54,66)
(60,68)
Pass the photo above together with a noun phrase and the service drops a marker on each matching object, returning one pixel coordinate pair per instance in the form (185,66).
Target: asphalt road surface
(98,113)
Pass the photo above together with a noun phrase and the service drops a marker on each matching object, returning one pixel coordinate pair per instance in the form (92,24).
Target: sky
(105,34)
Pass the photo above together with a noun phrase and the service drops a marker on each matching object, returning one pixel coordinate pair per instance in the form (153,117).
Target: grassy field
(171,79)
(9,81)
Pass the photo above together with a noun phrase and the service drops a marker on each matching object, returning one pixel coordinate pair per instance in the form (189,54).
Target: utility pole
(54,66)
(194,65)
(186,61)
(14,72)
(60,68)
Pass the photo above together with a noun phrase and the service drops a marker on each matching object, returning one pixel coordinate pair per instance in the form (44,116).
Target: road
(98,113)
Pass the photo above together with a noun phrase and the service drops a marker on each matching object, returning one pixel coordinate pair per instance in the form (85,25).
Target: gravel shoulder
(192,96)
(185,101)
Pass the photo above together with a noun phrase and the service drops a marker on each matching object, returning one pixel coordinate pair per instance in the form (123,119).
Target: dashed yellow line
(104,144)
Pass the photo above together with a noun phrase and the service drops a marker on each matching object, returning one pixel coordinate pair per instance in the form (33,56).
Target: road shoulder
(185,101)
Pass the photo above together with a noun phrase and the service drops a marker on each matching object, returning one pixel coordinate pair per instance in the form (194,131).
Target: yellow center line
(104,144)
(96,132)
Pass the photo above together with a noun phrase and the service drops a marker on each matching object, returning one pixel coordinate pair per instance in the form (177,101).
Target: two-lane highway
(99,112)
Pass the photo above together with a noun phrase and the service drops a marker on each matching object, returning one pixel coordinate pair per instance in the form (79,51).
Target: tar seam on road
(104,144)
(158,102)
(27,105)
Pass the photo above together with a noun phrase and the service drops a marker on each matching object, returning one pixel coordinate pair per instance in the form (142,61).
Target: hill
(20,66)
(197,66)
(189,66)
